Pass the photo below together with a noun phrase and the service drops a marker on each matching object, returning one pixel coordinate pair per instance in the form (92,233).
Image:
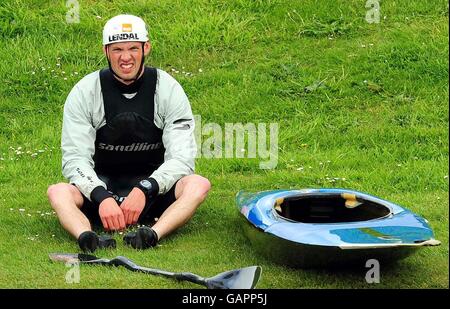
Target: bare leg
(67,200)
(190,192)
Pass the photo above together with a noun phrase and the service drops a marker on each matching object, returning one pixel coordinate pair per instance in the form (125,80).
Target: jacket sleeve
(78,144)
(178,133)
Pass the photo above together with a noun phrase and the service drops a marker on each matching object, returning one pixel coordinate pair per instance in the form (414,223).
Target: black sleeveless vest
(129,144)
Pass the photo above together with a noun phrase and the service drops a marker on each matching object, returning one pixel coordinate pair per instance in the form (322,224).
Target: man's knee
(53,191)
(197,187)
(61,191)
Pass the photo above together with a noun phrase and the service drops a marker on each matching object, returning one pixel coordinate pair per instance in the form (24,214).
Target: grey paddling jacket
(84,115)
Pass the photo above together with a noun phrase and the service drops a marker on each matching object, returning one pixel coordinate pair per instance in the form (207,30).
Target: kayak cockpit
(329,208)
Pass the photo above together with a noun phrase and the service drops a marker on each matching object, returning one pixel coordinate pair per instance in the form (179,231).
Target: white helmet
(124,28)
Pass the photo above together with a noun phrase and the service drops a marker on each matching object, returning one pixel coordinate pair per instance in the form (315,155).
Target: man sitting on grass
(127,147)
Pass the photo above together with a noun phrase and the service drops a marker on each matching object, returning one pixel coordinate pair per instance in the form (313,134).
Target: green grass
(379,119)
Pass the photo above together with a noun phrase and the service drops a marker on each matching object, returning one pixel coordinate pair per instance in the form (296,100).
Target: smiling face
(126,58)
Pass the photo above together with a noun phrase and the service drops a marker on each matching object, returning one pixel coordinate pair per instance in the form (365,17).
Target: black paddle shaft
(123,261)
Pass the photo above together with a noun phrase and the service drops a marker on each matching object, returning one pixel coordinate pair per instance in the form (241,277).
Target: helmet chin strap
(138,72)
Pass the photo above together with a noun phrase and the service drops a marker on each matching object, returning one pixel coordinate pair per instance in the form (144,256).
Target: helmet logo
(127,27)
(124,37)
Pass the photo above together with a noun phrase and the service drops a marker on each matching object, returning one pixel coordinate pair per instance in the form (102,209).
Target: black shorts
(120,188)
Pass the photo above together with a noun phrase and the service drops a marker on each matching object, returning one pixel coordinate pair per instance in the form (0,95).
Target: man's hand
(111,215)
(133,205)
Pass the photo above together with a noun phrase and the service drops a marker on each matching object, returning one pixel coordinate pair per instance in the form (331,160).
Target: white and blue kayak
(328,227)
